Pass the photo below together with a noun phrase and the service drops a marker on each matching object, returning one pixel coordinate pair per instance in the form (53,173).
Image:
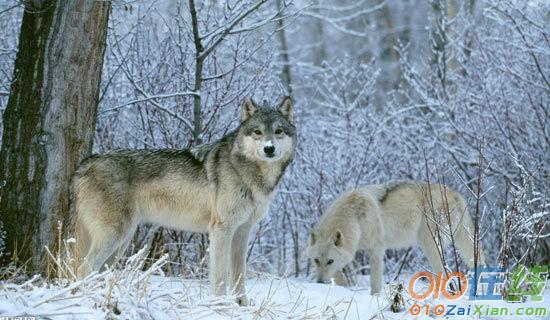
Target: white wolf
(391,215)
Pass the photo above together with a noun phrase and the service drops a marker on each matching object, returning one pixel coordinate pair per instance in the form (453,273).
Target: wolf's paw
(242,301)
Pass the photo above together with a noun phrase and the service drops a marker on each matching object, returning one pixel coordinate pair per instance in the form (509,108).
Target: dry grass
(139,289)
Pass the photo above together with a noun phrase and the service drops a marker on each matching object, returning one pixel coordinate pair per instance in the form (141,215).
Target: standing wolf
(223,188)
(391,215)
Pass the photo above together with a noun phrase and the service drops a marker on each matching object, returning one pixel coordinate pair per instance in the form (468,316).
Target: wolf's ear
(338,238)
(312,237)
(249,109)
(286,108)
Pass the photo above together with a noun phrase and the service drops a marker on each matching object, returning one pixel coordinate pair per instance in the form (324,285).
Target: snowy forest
(446,91)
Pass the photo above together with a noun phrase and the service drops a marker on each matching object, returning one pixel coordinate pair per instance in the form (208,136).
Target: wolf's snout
(269,151)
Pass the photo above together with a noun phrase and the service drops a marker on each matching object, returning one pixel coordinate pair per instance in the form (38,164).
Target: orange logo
(438,285)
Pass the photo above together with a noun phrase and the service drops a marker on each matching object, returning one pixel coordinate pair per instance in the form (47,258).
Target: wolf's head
(328,253)
(267,134)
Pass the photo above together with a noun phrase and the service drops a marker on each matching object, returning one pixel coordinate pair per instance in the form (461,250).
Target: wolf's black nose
(269,150)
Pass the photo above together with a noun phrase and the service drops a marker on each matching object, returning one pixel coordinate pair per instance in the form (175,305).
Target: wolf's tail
(82,240)
(78,230)
(465,236)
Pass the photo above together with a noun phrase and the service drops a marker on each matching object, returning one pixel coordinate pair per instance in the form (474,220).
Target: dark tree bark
(49,121)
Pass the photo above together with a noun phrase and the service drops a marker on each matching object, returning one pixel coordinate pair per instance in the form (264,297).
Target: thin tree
(285,75)
(203,51)
(49,121)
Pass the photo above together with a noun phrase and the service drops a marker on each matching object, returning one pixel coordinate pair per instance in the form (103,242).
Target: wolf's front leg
(376,259)
(220,246)
(238,262)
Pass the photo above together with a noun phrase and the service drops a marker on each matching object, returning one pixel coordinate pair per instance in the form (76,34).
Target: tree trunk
(49,121)
(199,58)
(388,56)
(287,80)
(318,36)
(439,42)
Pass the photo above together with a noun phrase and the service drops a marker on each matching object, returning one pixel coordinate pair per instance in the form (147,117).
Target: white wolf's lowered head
(328,253)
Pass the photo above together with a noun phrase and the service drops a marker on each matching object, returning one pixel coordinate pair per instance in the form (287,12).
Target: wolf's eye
(278,131)
(330,261)
(258,132)
(316,260)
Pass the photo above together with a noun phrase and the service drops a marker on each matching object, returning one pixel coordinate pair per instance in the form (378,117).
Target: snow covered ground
(132,294)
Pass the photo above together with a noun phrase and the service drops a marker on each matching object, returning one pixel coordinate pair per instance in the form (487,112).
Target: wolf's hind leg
(119,252)
(465,245)
(431,251)
(103,245)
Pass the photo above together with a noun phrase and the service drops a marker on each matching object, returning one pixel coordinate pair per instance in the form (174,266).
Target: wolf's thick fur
(391,215)
(223,188)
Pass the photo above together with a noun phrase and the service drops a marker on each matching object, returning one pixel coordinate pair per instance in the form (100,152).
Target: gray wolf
(222,188)
(390,215)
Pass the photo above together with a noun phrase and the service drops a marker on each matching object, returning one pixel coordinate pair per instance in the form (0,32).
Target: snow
(129,293)
(170,298)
